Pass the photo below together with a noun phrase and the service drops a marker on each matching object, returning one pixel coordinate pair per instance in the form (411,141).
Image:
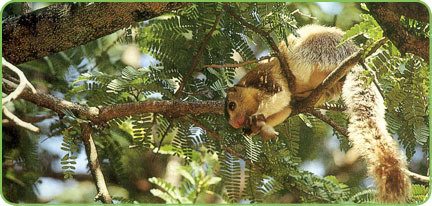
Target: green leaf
(306,120)
(186,175)
(213,180)
(65,157)
(163,195)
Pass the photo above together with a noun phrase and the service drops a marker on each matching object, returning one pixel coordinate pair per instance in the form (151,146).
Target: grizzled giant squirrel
(261,100)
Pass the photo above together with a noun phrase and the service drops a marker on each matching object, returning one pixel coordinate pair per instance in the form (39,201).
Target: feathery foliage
(217,160)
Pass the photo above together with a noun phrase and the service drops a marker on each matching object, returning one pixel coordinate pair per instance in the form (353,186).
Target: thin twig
(23,82)
(29,119)
(417,176)
(198,93)
(239,64)
(197,57)
(328,121)
(227,148)
(283,62)
(163,137)
(297,11)
(18,121)
(332,107)
(374,78)
(95,168)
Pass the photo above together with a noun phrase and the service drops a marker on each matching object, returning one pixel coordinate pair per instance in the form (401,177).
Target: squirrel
(261,100)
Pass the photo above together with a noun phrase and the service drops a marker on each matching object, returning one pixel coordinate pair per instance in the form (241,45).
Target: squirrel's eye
(232,106)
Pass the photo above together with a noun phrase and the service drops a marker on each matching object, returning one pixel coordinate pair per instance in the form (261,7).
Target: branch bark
(388,16)
(412,10)
(329,122)
(103,114)
(66,25)
(175,108)
(23,82)
(95,169)
(416,176)
(17,121)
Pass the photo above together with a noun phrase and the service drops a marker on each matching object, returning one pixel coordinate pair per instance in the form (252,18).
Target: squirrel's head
(240,103)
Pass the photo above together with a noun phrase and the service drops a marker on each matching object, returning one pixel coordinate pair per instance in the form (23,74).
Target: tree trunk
(67,25)
(388,16)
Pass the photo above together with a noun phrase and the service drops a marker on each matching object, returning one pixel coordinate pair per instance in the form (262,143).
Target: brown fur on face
(241,96)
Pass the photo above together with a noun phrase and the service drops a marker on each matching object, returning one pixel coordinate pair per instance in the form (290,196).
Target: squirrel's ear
(241,84)
(234,88)
(231,89)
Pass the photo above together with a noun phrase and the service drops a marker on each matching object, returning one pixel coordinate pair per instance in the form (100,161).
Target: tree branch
(389,20)
(105,113)
(51,102)
(66,25)
(29,119)
(332,107)
(375,80)
(329,122)
(417,176)
(174,108)
(412,10)
(23,82)
(18,121)
(98,177)
(199,54)
(297,11)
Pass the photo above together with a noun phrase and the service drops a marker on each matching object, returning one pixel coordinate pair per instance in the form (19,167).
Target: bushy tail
(368,133)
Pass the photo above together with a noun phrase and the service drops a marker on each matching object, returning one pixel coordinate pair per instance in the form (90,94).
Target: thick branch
(98,177)
(412,10)
(106,113)
(51,102)
(389,21)
(67,25)
(176,108)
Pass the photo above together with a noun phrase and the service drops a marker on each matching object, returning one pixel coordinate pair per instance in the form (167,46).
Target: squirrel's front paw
(255,122)
(268,132)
